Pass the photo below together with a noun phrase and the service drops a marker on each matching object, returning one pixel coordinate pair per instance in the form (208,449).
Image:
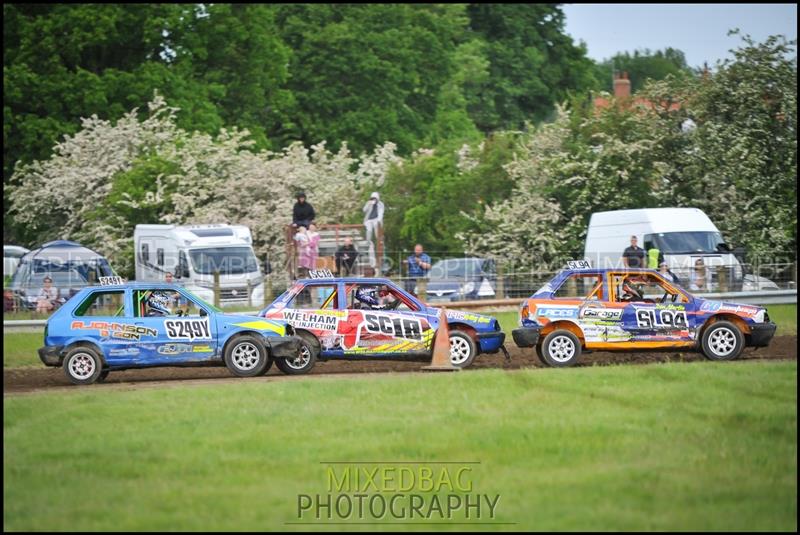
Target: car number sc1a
(188,329)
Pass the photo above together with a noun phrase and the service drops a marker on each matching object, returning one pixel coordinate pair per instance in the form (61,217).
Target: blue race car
(137,325)
(366,318)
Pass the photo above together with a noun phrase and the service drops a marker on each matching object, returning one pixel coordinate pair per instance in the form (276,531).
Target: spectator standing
(47,297)
(313,246)
(373,218)
(698,279)
(303,253)
(419,264)
(667,273)
(302,213)
(633,256)
(346,257)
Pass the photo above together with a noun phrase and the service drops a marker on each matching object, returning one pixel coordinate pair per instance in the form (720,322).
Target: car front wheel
(561,348)
(722,341)
(462,349)
(246,356)
(304,361)
(83,365)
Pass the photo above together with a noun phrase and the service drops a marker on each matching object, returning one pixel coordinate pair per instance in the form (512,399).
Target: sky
(699,30)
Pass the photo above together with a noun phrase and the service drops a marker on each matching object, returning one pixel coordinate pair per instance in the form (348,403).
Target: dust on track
(31,380)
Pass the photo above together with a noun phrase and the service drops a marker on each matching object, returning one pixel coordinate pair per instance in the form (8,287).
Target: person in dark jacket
(302,213)
(346,257)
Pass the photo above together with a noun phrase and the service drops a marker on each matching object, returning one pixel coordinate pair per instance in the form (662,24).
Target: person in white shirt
(47,297)
(373,218)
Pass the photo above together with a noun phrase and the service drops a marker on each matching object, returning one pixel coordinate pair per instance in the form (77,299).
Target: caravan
(193,253)
(683,235)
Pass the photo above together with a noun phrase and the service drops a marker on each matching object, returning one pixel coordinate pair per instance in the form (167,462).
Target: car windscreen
(455,268)
(226,260)
(685,242)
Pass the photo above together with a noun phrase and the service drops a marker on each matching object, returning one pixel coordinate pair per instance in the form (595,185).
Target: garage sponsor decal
(652,319)
(318,320)
(126,352)
(606,314)
(174,349)
(188,329)
(124,331)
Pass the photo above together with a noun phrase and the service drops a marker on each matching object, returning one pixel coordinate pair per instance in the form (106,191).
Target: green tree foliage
(533,64)
(641,66)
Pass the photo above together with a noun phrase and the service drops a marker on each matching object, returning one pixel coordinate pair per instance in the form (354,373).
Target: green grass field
(664,447)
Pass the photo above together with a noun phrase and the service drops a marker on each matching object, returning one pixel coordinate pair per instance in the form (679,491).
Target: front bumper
(526,336)
(51,355)
(283,346)
(490,342)
(761,334)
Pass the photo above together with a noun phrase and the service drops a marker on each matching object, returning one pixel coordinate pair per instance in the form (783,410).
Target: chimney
(622,86)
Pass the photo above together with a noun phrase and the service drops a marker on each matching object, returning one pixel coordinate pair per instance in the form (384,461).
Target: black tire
(462,349)
(246,356)
(561,349)
(722,340)
(306,359)
(83,365)
(103,375)
(540,354)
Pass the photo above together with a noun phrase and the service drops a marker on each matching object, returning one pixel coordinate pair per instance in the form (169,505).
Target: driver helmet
(367,296)
(159,304)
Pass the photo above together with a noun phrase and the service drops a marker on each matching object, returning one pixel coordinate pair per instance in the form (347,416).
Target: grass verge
(698,446)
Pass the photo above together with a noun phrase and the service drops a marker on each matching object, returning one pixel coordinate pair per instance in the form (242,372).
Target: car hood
(267,326)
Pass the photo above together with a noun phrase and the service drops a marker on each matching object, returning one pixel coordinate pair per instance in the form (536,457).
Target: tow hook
(505,352)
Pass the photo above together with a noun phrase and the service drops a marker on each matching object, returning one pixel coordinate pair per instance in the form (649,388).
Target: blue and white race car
(632,309)
(136,325)
(369,318)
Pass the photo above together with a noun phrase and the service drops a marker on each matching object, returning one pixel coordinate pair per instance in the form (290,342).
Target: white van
(682,234)
(193,253)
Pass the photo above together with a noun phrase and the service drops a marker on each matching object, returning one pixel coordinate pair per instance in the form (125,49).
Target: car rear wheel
(304,361)
(83,365)
(462,349)
(722,340)
(246,356)
(561,348)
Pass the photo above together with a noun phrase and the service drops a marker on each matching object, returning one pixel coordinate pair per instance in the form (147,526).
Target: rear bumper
(283,346)
(525,336)
(51,355)
(761,334)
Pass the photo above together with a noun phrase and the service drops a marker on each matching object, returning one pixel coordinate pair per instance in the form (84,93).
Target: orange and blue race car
(585,308)
(368,318)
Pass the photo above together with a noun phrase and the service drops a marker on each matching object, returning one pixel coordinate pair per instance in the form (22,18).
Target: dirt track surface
(28,380)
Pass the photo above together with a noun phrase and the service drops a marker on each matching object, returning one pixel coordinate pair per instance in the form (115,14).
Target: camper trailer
(683,235)
(193,253)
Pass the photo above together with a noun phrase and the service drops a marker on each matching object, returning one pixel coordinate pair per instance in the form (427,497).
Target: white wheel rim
(246,356)
(302,359)
(561,349)
(722,342)
(81,366)
(459,350)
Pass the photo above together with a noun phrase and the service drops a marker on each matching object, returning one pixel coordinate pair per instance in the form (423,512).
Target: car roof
(599,271)
(135,285)
(354,280)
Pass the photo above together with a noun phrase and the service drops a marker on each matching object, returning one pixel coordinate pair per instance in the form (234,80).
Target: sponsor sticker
(651,318)
(109,281)
(174,349)
(126,352)
(187,329)
(557,312)
(579,264)
(466,316)
(318,320)
(202,349)
(607,314)
(320,274)
(396,326)
(124,331)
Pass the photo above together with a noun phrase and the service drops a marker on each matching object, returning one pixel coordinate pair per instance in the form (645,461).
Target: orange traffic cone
(441,347)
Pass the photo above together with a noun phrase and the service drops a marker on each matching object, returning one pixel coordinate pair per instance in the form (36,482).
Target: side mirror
(723,247)
(203,312)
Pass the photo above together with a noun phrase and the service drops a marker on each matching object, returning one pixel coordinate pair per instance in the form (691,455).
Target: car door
(658,312)
(186,332)
(396,326)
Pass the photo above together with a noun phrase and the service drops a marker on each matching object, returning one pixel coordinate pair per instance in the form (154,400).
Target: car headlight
(468,288)
(760,315)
